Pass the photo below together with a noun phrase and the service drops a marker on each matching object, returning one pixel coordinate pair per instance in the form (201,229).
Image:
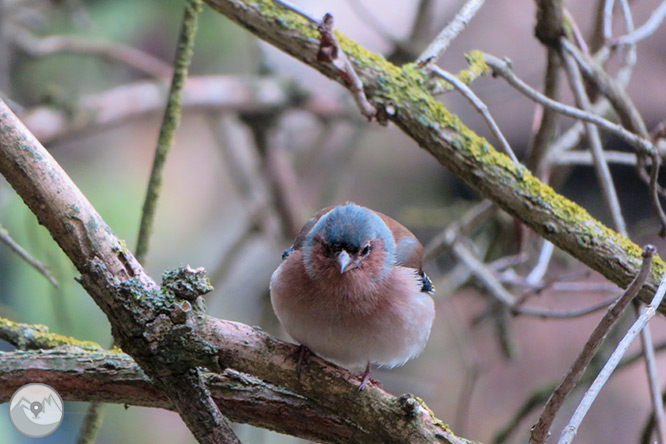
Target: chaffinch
(351,289)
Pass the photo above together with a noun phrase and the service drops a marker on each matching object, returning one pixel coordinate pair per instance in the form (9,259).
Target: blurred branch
(112,51)
(647,29)
(6,239)
(541,429)
(568,433)
(127,102)
(170,123)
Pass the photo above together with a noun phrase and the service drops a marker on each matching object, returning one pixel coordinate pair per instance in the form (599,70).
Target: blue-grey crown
(352,226)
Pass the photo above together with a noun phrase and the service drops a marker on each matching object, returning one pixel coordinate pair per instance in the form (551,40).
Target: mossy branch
(404,91)
(170,122)
(36,336)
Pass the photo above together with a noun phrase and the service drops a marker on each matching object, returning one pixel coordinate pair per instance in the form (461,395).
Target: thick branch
(322,406)
(138,312)
(171,342)
(403,91)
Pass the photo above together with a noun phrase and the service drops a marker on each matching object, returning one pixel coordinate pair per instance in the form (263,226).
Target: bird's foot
(301,355)
(365,377)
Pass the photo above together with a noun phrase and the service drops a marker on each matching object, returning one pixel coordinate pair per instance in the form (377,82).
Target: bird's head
(349,241)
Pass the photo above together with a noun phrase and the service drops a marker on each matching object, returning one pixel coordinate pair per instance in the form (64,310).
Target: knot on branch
(178,345)
(186,283)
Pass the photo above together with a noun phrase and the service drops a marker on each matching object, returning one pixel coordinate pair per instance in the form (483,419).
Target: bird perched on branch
(351,289)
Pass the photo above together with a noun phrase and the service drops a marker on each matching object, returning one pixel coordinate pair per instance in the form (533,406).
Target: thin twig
(607,32)
(647,348)
(563,314)
(600,165)
(297,10)
(541,266)
(585,158)
(541,143)
(330,51)
(449,33)
(478,269)
(541,429)
(648,28)
(170,122)
(479,212)
(502,68)
(627,112)
(571,429)
(654,192)
(629,60)
(369,19)
(480,107)
(6,239)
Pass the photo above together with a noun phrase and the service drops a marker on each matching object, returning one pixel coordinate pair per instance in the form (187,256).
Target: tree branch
(403,92)
(170,340)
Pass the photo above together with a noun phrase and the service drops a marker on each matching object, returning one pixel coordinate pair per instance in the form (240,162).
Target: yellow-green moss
(286,18)
(38,336)
(477,67)
(435,420)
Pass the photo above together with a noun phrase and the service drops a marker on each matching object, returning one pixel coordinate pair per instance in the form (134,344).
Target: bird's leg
(365,374)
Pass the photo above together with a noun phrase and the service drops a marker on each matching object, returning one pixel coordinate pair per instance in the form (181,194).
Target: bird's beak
(345,261)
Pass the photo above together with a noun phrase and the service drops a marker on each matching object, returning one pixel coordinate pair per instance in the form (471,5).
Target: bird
(351,289)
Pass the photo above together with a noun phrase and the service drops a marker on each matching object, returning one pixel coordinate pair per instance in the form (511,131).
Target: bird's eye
(366,250)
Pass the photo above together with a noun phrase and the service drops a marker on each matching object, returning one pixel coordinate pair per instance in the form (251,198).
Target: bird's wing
(408,249)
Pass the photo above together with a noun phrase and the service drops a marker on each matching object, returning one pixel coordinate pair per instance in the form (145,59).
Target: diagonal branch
(403,93)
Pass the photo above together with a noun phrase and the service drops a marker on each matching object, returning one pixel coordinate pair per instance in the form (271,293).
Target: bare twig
(563,314)
(290,6)
(502,68)
(571,429)
(541,429)
(607,29)
(330,51)
(480,107)
(449,33)
(541,143)
(654,191)
(600,165)
(647,347)
(539,270)
(628,113)
(475,215)
(585,158)
(648,28)
(369,19)
(6,239)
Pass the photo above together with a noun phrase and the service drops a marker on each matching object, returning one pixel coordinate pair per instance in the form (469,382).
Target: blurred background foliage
(463,375)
